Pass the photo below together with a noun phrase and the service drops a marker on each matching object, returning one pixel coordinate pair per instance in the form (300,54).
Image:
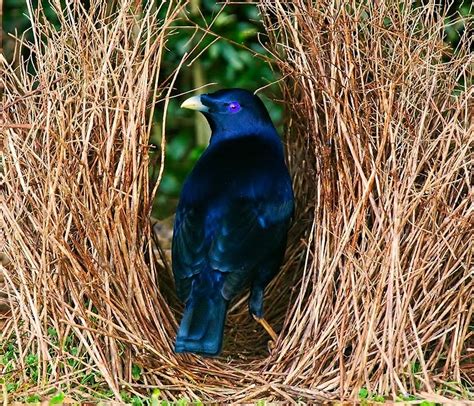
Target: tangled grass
(377,288)
(380,141)
(77,197)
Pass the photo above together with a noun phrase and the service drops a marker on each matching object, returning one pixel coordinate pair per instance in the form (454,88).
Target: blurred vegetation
(228,61)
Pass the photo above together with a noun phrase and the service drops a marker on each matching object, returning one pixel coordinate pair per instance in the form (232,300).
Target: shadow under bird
(232,218)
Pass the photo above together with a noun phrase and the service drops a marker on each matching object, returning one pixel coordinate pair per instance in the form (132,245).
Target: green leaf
(33,398)
(57,399)
(178,146)
(196,153)
(363,393)
(214,51)
(169,184)
(246,31)
(136,401)
(406,397)
(224,19)
(232,57)
(52,332)
(155,397)
(415,367)
(31,360)
(11,387)
(136,372)
(88,378)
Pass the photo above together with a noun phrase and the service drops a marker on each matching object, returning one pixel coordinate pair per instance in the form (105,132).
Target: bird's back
(250,167)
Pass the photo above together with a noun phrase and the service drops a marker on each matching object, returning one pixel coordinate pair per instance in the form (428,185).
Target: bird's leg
(267,327)
(256,310)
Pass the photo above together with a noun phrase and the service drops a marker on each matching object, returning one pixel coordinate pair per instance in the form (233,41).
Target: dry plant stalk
(76,199)
(378,275)
(381,140)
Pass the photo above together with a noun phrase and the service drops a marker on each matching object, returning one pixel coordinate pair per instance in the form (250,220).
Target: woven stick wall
(378,275)
(381,139)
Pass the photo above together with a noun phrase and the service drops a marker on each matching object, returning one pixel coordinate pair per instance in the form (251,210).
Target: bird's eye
(233,107)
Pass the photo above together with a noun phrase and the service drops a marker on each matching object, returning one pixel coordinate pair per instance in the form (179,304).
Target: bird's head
(232,113)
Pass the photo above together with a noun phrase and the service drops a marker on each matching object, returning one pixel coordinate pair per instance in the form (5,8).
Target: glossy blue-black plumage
(232,219)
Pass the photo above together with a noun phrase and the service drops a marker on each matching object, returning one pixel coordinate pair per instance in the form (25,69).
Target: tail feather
(202,326)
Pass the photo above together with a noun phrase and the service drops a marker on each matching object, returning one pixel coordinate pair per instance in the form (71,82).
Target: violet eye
(233,107)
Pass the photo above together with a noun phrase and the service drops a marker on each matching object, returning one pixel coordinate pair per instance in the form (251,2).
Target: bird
(232,219)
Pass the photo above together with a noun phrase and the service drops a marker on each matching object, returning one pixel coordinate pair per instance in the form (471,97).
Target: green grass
(9,364)
(10,377)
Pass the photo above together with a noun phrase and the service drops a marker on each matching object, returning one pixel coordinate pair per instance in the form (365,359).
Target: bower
(376,290)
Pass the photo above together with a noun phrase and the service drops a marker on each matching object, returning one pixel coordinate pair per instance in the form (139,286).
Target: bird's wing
(246,233)
(250,234)
(188,248)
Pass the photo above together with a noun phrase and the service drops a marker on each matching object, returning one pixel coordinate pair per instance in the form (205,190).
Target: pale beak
(194,103)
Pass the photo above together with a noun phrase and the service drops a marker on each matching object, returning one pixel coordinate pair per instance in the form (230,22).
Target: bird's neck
(229,132)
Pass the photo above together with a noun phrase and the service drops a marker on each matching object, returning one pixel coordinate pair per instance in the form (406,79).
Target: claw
(267,327)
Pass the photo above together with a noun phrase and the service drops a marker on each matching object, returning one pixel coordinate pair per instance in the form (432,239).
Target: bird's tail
(202,326)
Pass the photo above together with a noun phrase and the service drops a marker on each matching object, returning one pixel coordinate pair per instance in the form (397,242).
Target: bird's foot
(267,328)
(271,346)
